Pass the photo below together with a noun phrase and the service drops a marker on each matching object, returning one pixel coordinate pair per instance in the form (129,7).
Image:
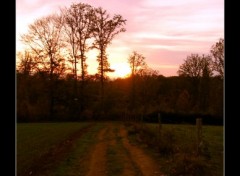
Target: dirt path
(111,154)
(114,155)
(98,158)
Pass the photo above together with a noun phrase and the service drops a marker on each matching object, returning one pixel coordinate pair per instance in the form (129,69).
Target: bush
(189,165)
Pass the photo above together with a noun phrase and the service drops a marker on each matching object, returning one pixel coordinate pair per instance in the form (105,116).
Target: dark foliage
(170,96)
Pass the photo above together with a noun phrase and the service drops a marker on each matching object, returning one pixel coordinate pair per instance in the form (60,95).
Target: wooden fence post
(199,134)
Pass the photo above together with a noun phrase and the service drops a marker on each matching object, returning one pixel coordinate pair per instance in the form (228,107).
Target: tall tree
(137,64)
(104,30)
(78,21)
(43,38)
(217,52)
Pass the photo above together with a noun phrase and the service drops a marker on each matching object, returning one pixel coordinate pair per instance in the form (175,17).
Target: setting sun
(121,70)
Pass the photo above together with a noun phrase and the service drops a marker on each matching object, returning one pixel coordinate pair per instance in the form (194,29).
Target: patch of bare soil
(46,162)
(146,165)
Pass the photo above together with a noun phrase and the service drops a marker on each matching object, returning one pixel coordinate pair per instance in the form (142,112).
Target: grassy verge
(175,149)
(36,139)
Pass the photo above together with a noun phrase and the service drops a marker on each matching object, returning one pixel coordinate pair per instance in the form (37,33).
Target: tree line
(49,86)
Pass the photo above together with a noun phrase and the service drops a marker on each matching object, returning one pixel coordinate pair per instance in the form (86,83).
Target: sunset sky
(165,32)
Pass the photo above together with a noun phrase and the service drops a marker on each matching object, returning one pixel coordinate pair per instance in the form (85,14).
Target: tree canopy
(217,51)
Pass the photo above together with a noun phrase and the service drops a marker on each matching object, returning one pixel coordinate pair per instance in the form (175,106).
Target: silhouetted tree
(204,82)
(217,52)
(104,30)
(137,64)
(196,67)
(43,38)
(192,66)
(27,62)
(78,21)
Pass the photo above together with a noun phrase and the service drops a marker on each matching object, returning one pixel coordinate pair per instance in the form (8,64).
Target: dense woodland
(53,83)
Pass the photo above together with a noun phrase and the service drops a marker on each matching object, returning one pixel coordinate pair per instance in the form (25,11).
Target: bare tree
(192,66)
(104,30)
(198,69)
(78,21)
(217,52)
(137,64)
(206,66)
(196,66)
(27,63)
(43,38)
(69,32)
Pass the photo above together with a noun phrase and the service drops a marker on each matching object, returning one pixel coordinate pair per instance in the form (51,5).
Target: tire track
(144,163)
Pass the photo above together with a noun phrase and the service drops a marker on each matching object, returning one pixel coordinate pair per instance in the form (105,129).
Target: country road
(100,149)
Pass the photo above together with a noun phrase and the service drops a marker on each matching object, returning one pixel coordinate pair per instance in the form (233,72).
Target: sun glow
(122,70)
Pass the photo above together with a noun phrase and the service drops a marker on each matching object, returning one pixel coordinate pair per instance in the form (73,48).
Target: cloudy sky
(165,32)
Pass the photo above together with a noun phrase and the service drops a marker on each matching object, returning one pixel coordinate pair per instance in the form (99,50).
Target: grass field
(178,147)
(36,139)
